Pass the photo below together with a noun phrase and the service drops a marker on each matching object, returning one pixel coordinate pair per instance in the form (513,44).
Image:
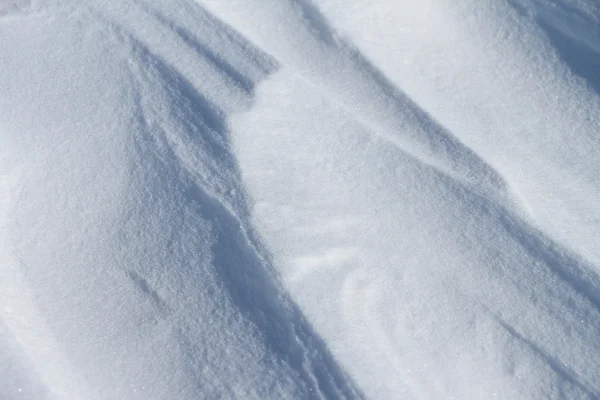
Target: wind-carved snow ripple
(371,232)
(326,59)
(480,185)
(185,130)
(513,286)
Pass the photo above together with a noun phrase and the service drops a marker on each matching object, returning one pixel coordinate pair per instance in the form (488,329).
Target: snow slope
(299,199)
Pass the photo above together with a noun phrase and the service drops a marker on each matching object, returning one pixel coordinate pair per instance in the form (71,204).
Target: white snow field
(269,199)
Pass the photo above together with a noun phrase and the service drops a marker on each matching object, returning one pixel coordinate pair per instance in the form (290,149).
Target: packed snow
(299,199)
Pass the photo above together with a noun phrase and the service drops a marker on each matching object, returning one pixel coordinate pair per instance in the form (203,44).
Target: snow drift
(296,199)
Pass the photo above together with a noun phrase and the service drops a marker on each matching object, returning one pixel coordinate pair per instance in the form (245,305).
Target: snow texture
(299,199)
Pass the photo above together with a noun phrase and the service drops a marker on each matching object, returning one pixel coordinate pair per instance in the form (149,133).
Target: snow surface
(300,199)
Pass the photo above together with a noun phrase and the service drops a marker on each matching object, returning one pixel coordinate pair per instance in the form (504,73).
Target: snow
(299,199)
